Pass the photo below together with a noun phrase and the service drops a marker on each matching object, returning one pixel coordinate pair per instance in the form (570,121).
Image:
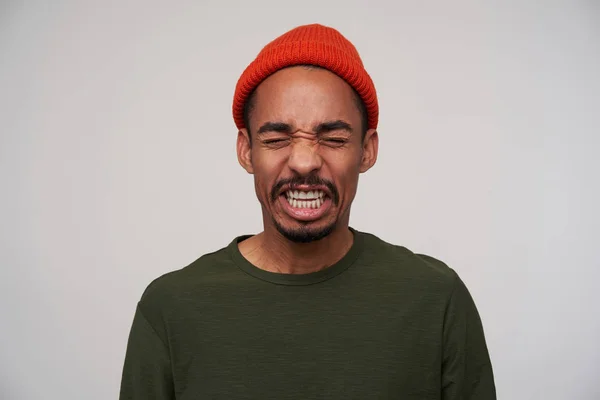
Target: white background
(117,164)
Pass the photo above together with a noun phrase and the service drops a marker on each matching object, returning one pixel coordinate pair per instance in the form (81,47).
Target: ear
(244,150)
(369,150)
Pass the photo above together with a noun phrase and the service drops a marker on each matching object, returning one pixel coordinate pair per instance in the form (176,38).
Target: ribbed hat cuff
(320,54)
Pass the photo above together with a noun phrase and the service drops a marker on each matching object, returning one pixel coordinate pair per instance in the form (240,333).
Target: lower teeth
(305,204)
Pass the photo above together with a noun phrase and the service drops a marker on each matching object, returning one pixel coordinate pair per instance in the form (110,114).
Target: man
(309,308)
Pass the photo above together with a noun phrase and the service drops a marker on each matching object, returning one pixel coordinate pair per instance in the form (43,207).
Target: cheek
(346,173)
(262,183)
(266,172)
(350,184)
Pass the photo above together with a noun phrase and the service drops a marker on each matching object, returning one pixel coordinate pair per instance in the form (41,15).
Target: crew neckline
(297,279)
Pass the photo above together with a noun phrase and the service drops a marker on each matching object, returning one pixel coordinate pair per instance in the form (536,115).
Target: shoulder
(398,261)
(185,283)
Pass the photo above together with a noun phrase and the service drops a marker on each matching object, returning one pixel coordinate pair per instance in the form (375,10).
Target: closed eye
(276,143)
(334,141)
(271,141)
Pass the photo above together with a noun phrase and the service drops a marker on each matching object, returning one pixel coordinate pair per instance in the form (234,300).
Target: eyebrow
(333,126)
(275,127)
(327,126)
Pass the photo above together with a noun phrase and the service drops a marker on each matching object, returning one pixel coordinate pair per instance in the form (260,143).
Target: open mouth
(305,199)
(305,205)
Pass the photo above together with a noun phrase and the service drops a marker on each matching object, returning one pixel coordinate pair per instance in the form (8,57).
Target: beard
(304,233)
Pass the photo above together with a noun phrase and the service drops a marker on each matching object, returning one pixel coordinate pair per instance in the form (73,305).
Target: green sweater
(382,323)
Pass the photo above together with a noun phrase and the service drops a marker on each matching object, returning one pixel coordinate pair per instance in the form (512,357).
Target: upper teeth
(298,194)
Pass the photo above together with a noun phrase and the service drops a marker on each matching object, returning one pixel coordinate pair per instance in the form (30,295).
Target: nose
(304,158)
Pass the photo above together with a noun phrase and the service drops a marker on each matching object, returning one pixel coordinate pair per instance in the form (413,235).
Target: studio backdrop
(118,164)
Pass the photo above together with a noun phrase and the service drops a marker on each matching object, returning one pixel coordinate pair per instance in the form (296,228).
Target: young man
(309,308)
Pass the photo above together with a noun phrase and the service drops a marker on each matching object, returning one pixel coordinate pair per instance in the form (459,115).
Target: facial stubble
(306,232)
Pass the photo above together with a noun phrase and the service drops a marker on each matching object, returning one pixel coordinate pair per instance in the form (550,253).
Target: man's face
(306,152)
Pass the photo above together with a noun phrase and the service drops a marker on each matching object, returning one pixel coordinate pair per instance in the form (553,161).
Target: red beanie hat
(309,44)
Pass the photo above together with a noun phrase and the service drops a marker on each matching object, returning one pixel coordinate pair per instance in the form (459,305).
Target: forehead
(304,95)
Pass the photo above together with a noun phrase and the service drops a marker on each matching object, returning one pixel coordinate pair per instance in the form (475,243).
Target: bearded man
(309,308)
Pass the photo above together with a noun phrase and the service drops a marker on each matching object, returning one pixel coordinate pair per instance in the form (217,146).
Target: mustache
(312,180)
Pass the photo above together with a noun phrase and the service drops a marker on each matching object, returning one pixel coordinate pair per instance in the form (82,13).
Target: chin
(305,233)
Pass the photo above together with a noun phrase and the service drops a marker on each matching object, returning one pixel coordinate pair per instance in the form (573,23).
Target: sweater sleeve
(147,368)
(466,366)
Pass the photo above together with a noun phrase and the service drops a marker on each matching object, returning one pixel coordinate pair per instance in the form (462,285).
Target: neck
(271,251)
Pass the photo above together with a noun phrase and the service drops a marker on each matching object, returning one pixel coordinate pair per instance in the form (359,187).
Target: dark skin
(305,127)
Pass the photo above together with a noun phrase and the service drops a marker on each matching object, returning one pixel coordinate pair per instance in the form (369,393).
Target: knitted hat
(308,44)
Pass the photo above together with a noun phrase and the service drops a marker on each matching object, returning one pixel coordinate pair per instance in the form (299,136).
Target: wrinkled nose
(304,158)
